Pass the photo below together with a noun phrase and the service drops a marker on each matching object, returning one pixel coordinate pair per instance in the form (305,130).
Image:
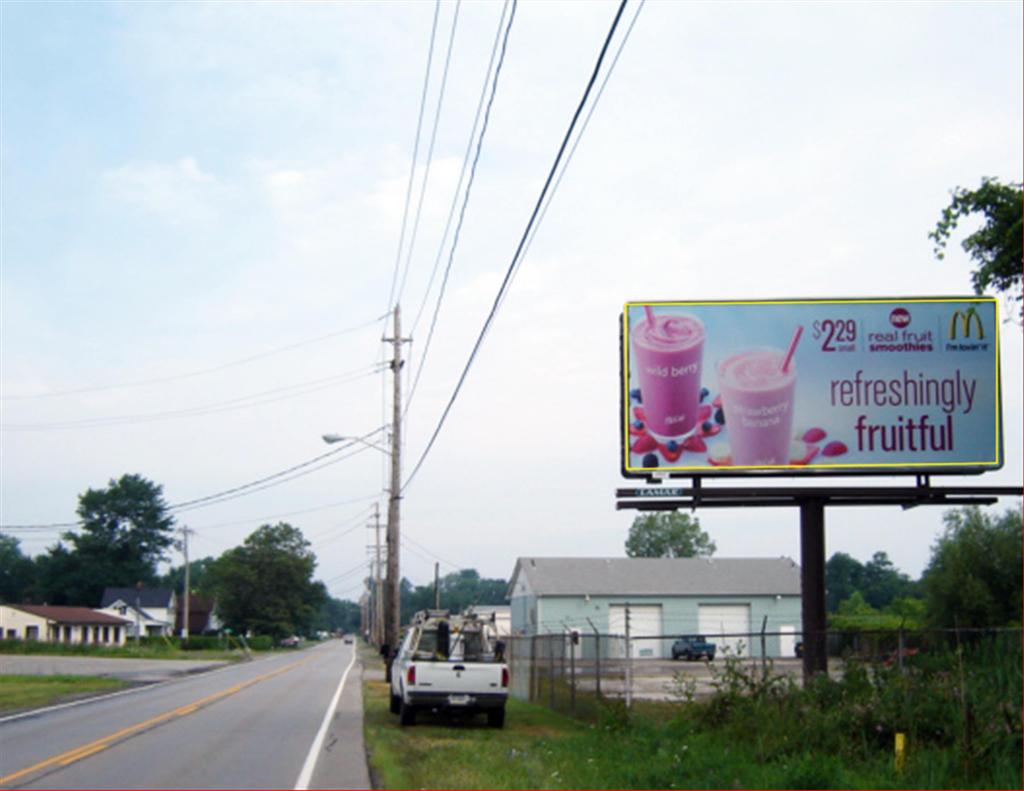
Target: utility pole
(437,586)
(138,611)
(377,633)
(185,532)
(392,615)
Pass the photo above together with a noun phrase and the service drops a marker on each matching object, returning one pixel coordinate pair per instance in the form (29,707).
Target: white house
(55,624)
(154,609)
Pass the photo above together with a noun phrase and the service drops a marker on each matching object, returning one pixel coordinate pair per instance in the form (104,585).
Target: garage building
(728,600)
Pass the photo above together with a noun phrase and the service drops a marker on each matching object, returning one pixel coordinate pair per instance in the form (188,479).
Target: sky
(201,222)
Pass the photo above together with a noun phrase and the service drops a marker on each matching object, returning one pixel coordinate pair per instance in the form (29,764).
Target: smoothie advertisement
(811,386)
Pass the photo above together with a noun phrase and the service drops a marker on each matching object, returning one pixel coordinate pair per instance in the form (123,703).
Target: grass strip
(30,692)
(780,739)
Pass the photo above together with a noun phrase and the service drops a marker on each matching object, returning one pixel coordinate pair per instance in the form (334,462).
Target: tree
(996,247)
(844,576)
(668,535)
(878,582)
(883,583)
(266,585)
(125,533)
(17,571)
(198,577)
(60,579)
(459,590)
(974,576)
(337,615)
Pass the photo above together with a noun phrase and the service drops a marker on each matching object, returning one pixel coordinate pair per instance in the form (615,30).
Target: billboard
(815,386)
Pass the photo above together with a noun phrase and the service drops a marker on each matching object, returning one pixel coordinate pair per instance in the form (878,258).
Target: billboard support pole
(812,585)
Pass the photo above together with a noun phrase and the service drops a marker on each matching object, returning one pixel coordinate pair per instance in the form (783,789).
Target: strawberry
(813,435)
(835,448)
(644,443)
(694,443)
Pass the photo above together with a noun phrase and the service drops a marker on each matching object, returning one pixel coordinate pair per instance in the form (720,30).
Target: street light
(330,439)
(392,608)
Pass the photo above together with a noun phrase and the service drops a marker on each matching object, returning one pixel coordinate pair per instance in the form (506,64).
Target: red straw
(792,348)
(650,315)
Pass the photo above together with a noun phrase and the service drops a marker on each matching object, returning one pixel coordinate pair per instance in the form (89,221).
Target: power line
(469,187)
(583,129)
(338,577)
(292,473)
(430,151)
(254,399)
(434,555)
(202,371)
(358,519)
(283,476)
(415,156)
(519,249)
(289,513)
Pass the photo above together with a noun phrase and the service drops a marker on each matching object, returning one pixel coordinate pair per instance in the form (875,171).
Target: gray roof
(147,597)
(659,576)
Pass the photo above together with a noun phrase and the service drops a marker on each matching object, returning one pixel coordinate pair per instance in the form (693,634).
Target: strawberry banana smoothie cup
(757,396)
(667,356)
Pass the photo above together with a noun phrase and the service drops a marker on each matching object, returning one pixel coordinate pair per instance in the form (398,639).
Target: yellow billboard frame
(957,467)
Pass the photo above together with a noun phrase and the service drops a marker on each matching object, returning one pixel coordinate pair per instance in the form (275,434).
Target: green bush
(965,702)
(204,642)
(262,642)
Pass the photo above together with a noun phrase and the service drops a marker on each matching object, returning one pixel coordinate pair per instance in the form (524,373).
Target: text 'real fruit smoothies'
(668,353)
(757,396)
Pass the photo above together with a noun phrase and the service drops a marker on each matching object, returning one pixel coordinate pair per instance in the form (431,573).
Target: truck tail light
(410,675)
(504,676)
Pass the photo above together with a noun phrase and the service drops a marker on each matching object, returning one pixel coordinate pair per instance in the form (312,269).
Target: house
(53,624)
(153,609)
(727,599)
(202,616)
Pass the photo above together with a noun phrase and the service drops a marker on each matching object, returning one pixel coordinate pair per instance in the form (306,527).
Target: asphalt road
(260,724)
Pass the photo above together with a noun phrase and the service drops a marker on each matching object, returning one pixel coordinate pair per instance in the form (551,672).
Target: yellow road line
(78,753)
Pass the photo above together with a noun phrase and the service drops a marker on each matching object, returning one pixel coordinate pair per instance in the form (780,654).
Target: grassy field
(29,692)
(837,734)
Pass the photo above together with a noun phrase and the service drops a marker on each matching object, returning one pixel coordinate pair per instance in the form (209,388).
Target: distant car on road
(691,647)
(290,642)
(348,639)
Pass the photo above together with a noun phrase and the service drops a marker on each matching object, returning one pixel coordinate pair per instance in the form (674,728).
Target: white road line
(302,784)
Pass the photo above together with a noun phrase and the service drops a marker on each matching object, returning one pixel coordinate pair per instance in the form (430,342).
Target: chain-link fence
(572,672)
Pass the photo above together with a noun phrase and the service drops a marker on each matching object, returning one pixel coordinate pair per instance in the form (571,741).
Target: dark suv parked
(692,647)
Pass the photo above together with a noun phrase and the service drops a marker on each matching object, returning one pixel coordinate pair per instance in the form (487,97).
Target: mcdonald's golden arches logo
(967,320)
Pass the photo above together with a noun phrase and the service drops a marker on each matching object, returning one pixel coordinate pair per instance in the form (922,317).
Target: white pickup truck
(451,663)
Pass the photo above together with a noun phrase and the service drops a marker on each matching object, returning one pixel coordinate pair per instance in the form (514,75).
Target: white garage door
(717,620)
(644,621)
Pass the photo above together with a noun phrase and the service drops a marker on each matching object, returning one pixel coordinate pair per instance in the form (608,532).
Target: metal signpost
(810,388)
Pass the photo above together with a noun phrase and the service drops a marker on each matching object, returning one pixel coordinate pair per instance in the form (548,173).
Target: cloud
(177,193)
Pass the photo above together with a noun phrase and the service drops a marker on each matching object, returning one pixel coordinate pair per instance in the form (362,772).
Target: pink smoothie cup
(667,359)
(757,396)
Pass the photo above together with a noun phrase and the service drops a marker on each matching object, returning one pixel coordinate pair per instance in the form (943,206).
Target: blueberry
(635,395)
(720,416)
(704,393)
(650,460)
(706,426)
(672,445)
(638,424)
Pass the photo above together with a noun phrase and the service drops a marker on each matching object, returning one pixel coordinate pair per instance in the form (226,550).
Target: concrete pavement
(134,670)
